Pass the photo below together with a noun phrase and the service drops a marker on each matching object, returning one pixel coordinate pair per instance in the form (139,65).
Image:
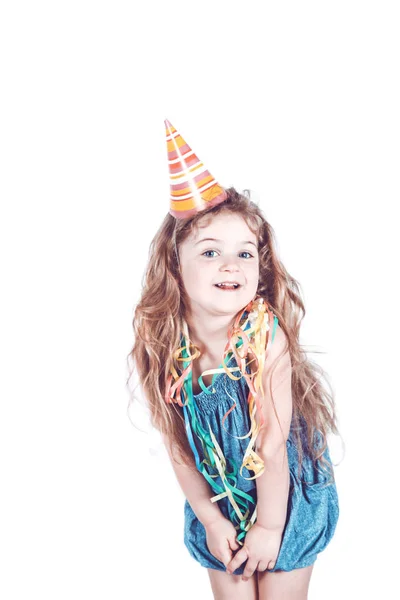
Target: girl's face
(230,255)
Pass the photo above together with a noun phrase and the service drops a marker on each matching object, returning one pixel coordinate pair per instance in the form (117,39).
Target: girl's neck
(210,337)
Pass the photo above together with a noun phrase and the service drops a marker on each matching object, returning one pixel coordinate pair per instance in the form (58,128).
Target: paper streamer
(251,336)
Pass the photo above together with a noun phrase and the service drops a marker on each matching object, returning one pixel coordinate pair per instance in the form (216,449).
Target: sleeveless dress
(313,507)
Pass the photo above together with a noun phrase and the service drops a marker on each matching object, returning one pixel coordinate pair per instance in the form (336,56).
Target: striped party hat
(193,188)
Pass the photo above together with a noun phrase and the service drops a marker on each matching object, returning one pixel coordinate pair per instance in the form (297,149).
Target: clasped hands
(261,547)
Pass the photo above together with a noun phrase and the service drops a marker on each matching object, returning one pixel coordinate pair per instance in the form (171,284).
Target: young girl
(241,408)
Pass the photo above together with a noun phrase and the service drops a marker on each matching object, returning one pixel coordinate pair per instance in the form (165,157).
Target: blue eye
(244,252)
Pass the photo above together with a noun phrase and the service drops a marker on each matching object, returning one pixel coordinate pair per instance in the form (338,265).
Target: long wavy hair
(163,308)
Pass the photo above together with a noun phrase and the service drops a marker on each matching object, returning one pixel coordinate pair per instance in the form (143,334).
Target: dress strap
(274,328)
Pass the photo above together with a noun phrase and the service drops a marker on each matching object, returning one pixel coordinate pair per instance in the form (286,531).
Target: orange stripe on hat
(193,188)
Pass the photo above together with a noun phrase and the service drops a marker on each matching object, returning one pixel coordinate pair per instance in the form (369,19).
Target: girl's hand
(261,548)
(221,539)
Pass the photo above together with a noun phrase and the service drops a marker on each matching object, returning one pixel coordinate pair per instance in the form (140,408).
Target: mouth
(228,286)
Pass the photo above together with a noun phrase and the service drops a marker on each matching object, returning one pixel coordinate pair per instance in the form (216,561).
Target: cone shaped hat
(193,188)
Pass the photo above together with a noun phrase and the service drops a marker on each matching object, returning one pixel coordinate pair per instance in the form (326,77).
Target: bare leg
(232,587)
(284,585)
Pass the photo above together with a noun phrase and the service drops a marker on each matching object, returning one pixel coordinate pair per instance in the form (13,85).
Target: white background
(298,101)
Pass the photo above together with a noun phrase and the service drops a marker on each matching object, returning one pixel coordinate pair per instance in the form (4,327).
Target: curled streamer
(251,335)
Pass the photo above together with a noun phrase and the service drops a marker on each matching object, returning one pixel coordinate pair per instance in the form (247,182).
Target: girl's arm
(196,490)
(262,547)
(274,484)
(273,491)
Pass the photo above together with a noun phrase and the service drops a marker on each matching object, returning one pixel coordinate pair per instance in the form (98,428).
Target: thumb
(233,544)
(226,556)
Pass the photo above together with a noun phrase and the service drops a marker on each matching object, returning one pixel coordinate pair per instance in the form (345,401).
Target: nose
(229,263)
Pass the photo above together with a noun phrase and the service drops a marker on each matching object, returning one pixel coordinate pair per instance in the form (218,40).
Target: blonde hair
(162,311)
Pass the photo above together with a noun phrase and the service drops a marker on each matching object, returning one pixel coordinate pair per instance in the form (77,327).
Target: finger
(262,566)
(234,545)
(249,570)
(239,558)
(271,564)
(227,554)
(226,557)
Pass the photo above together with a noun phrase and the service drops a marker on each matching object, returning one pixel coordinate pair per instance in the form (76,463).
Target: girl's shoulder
(279,345)
(273,323)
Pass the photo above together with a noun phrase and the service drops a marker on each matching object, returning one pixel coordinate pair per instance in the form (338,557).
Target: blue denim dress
(313,507)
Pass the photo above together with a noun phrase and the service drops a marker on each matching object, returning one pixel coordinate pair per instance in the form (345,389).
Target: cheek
(193,274)
(252,271)
(201,275)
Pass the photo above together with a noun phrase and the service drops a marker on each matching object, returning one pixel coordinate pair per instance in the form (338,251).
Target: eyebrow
(215,240)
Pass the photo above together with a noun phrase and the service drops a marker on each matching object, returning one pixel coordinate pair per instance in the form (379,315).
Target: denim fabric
(313,510)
